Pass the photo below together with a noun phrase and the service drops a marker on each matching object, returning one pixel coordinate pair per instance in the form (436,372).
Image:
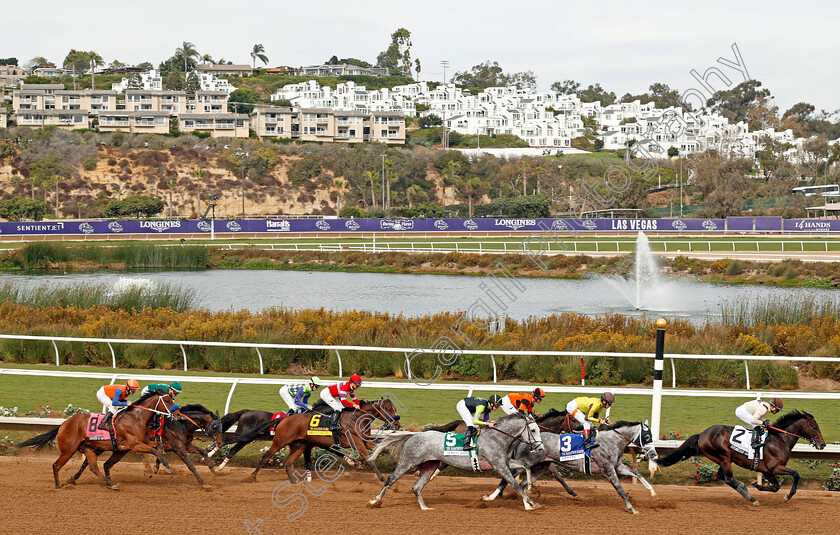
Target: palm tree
(71,59)
(473,189)
(450,175)
(95,61)
(389,166)
(207,58)
(338,184)
(188,52)
(414,191)
(258,53)
(371,177)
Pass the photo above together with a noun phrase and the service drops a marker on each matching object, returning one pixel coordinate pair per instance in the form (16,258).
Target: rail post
(56,352)
(259,355)
(230,395)
(658,366)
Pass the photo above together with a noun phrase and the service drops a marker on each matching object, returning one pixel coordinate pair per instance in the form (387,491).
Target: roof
(213,116)
(41,86)
(53,112)
(86,92)
(273,109)
(123,113)
(389,113)
(220,93)
(153,92)
(210,67)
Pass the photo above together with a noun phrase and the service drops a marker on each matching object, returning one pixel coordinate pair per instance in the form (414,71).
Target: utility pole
(681,183)
(444,138)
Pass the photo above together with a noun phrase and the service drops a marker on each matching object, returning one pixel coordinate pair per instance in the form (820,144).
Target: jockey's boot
(589,441)
(335,427)
(469,438)
(758,431)
(104,423)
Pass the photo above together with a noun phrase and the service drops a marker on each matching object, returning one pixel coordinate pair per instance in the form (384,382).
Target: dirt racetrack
(174,504)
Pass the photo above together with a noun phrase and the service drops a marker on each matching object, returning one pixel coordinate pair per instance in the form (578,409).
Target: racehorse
(553,421)
(426,450)
(713,444)
(613,439)
(131,428)
(355,425)
(246,421)
(177,436)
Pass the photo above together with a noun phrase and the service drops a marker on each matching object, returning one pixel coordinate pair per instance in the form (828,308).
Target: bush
(89,164)
(352,212)
(135,206)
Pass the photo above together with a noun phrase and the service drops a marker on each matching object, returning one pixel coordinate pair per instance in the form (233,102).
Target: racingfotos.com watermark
(293,498)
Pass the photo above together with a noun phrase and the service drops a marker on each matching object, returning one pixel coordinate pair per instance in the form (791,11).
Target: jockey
(587,410)
(115,396)
(476,411)
(752,413)
(174,389)
(296,396)
(336,397)
(513,403)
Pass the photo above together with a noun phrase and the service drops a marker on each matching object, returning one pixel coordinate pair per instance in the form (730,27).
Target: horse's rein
(789,433)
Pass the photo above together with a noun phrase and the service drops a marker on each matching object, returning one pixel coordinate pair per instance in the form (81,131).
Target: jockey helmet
(539,393)
(132,383)
(495,399)
(777,403)
(176,386)
(356,379)
(315,380)
(607,397)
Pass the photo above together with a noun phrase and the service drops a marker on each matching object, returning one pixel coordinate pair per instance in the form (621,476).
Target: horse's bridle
(534,444)
(811,422)
(647,448)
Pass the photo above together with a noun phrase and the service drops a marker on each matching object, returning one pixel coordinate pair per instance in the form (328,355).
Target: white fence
(468,388)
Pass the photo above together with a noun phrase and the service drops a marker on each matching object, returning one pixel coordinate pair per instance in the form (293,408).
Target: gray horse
(425,450)
(606,459)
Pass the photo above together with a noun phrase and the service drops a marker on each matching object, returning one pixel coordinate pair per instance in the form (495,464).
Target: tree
(398,53)
(371,177)
(338,185)
(332,61)
(734,103)
(258,53)
(133,81)
(117,64)
(192,84)
(145,66)
(18,209)
(187,53)
(244,94)
(206,58)
(473,189)
(9,61)
(429,121)
(673,151)
(660,94)
(490,74)
(450,176)
(566,87)
(417,67)
(95,61)
(32,64)
(44,172)
(415,192)
(174,82)
(818,150)
(75,60)
(597,93)
(762,114)
(171,185)
(135,206)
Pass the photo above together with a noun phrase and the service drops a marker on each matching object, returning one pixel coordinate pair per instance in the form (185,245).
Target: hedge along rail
(408,355)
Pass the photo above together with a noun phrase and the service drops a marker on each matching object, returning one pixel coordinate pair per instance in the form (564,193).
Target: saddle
(94,433)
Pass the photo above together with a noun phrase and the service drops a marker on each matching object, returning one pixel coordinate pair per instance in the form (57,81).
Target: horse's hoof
(71,482)
(755,502)
(634,512)
(487,498)
(114,487)
(653,493)
(251,478)
(427,508)
(206,487)
(375,503)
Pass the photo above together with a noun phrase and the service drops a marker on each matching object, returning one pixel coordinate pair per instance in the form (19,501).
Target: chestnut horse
(178,436)
(131,427)
(355,426)
(713,444)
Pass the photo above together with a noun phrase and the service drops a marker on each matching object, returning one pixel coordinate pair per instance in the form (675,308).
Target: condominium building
(209,102)
(274,121)
(148,81)
(63,119)
(11,75)
(135,122)
(216,124)
(94,100)
(174,102)
(225,70)
(4,120)
(327,125)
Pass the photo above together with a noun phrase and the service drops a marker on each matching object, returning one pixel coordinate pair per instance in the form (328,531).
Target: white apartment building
(345,97)
(149,81)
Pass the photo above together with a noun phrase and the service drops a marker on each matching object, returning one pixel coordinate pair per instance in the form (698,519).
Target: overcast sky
(792,48)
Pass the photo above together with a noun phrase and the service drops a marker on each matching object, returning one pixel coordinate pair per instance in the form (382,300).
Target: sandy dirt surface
(175,504)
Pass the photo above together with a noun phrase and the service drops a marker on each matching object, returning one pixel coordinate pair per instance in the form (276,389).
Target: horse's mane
(149,394)
(196,407)
(551,414)
(789,418)
(622,423)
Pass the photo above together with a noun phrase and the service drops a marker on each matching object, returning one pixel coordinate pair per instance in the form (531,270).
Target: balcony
(23,121)
(322,120)
(113,123)
(144,124)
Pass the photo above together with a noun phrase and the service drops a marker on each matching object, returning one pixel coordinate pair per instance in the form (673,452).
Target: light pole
(444,142)
(382,193)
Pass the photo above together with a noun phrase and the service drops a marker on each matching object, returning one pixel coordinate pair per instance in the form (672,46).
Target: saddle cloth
(92,432)
(319,426)
(571,447)
(740,441)
(274,417)
(453,444)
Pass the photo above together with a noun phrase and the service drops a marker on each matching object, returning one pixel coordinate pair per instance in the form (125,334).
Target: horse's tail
(387,443)
(261,429)
(447,428)
(40,441)
(689,448)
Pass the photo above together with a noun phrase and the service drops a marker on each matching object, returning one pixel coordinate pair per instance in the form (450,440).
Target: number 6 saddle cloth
(319,425)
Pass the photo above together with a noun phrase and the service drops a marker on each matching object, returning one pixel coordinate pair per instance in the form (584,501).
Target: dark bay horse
(131,427)
(713,443)
(177,436)
(246,421)
(355,434)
